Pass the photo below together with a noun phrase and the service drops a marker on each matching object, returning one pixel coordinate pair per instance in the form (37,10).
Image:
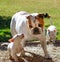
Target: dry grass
(37,53)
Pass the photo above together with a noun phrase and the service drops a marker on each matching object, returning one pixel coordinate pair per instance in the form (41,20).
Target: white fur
(10,45)
(52,35)
(34,14)
(51,28)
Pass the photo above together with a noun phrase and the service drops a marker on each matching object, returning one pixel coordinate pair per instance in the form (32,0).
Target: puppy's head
(36,23)
(52,33)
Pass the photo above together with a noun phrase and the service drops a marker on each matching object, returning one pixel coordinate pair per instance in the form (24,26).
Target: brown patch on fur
(29,21)
(41,20)
(22,36)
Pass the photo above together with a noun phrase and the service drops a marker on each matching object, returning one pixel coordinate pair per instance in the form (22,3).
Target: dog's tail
(51,22)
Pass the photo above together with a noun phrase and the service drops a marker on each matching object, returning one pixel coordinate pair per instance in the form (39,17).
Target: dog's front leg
(47,38)
(17,47)
(43,44)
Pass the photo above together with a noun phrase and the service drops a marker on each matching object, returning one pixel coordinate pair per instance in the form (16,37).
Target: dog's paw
(48,57)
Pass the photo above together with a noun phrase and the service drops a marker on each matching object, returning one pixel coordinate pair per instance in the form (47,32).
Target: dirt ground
(35,53)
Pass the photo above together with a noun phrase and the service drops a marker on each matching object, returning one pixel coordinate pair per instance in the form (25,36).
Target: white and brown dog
(25,26)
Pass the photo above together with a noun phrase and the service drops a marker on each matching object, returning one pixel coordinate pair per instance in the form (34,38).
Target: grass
(10,7)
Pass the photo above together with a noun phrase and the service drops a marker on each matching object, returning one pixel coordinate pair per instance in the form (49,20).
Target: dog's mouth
(36,31)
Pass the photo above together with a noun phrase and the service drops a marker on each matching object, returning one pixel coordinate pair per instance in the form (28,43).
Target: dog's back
(17,20)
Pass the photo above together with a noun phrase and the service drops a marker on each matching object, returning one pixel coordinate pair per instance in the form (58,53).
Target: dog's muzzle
(36,31)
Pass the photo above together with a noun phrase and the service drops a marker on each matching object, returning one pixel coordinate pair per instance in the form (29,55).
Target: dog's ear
(29,20)
(46,15)
(40,16)
(43,15)
(29,17)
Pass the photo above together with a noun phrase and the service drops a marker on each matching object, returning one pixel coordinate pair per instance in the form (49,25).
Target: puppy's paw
(16,60)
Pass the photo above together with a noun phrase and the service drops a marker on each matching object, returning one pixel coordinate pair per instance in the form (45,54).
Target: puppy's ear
(46,15)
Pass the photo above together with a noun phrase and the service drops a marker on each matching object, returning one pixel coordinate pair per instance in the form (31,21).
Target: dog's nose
(36,30)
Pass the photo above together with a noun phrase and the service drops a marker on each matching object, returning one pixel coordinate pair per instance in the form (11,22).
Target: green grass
(10,7)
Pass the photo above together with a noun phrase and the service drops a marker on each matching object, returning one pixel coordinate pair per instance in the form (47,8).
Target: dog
(28,27)
(51,34)
(10,45)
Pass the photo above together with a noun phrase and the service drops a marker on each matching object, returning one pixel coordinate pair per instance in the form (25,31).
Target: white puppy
(51,33)
(29,26)
(10,45)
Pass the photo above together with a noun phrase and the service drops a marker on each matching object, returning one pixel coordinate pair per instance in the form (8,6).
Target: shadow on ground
(4,47)
(35,58)
(57,43)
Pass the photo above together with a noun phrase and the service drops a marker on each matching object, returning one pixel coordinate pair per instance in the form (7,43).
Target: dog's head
(36,23)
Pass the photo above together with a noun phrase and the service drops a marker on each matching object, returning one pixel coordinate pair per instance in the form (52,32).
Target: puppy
(10,45)
(31,26)
(51,34)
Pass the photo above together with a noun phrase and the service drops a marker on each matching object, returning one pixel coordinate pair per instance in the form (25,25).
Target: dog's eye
(39,25)
(30,26)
